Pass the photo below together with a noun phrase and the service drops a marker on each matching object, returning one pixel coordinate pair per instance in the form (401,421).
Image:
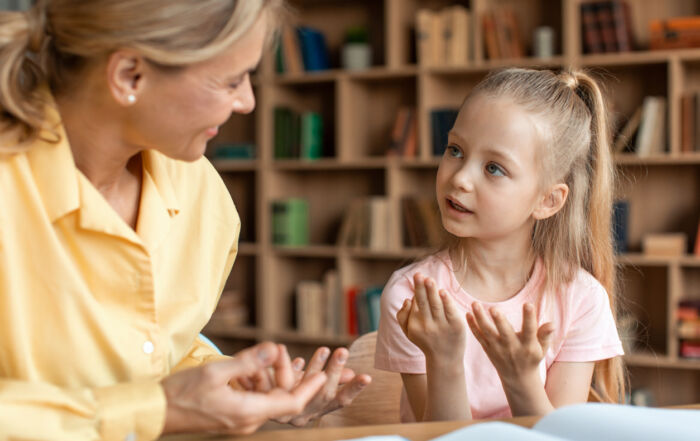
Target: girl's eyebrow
(504,154)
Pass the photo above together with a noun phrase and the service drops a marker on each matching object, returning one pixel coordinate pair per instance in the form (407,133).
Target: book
(314,50)
(585,422)
(290,222)
(430,38)
(441,122)
(351,294)
(696,249)
(309,307)
(625,137)
(687,122)
(490,36)
(403,133)
(311,135)
(590,30)
(622,20)
(286,139)
(456,21)
(651,138)
(606,26)
(666,244)
(620,225)
(291,58)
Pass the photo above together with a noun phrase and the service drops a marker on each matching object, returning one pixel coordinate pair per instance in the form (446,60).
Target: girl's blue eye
(495,170)
(453,151)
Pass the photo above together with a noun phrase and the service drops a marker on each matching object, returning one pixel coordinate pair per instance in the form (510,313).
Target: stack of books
(606,26)
(501,31)
(371,222)
(688,315)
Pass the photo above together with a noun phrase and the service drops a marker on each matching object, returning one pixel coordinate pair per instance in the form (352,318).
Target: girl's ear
(552,201)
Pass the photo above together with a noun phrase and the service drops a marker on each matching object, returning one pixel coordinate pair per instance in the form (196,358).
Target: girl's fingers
(421,296)
(505,330)
(474,326)
(529,331)
(486,326)
(434,301)
(402,315)
(544,335)
(451,312)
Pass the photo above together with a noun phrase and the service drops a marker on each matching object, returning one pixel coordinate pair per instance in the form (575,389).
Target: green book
(311,135)
(282,116)
(290,222)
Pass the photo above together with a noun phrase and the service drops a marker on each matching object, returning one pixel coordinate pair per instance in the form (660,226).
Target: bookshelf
(358,110)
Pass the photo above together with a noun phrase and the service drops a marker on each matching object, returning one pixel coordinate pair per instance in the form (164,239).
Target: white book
(651,138)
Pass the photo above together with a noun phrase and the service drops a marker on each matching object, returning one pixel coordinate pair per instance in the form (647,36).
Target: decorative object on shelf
(543,38)
(674,33)
(356,52)
(290,222)
(667,244)
(606,26)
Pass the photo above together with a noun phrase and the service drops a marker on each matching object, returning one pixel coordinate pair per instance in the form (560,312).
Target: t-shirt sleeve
(394,351)
(591,334)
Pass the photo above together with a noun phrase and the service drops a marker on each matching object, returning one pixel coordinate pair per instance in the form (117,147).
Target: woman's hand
(201,400)
(514,354)
(432,322)
(340,388)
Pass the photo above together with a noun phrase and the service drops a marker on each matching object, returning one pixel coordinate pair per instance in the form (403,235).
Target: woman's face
(179,112)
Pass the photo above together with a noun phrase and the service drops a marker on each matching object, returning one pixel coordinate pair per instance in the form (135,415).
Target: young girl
(516,315)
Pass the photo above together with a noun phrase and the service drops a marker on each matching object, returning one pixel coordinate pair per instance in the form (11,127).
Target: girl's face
(487,182)
(180,112)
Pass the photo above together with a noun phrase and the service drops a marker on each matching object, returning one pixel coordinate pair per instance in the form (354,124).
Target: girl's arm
(432,322)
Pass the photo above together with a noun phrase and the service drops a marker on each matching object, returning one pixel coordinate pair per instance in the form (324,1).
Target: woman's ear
(552,201)
(125,76)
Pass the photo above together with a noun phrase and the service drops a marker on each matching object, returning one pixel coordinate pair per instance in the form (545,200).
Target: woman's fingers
(318,360)
(278,402)
(335,369)
(284,373)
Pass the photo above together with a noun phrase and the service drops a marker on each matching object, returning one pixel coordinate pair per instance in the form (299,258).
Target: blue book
(441,122)
(314,50)
(620,223)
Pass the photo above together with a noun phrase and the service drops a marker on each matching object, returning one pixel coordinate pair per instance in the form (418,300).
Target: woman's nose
(244,101)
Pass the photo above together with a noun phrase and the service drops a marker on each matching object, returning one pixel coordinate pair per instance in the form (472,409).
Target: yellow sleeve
(41,411)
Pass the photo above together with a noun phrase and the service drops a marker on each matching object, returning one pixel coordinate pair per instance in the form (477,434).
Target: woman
(116,235)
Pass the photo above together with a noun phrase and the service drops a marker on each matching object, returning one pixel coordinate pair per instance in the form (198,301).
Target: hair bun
(570,79)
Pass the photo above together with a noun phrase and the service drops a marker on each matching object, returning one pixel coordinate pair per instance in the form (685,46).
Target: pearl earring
(131,98)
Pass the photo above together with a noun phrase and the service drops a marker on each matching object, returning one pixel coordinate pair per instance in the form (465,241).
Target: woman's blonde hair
(55,39)
(576,151)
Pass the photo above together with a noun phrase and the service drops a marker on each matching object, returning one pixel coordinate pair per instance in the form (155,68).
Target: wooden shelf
(297,337)
(639,259)
(668,159)
(217,328)
(235,165)
(661,361)
(329,251)
(248,249)
(329,164)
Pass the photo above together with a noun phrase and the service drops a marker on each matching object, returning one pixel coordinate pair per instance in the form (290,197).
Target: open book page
(593,421)
(608,422)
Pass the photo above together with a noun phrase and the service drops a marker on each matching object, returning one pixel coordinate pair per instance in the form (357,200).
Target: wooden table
(412,431)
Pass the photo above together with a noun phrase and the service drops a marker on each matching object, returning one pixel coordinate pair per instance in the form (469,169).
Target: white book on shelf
(652,131)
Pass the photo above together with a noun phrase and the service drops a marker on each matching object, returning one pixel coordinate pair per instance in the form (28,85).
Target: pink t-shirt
(584,329)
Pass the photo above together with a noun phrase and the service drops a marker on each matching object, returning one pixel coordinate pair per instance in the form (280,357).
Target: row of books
(688,328)
(690,122)
(606,26)
(370,222)
(324,307)
(644,133)
(443,36)
(297,135)
(290,222)
(502,37)
(301,49)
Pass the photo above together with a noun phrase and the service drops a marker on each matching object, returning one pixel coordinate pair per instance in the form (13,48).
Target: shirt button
(130,437)
(148,347)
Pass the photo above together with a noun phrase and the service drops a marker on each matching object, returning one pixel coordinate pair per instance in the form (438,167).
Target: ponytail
(608,378)
(22,43)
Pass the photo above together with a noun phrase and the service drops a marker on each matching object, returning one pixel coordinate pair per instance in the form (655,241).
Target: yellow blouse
(92,313)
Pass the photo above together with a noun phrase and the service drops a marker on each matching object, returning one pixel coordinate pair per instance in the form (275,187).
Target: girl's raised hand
(515,355)
(432,322)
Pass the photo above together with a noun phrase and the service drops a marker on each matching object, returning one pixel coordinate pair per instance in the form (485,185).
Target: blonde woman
(116,235)
(517,315)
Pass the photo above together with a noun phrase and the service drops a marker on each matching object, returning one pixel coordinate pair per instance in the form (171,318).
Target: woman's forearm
(446,397)
(526,395)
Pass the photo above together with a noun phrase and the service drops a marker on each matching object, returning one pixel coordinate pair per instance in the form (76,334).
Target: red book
(350,295)
(590,31)
(697,241)
(623,25)
(606,24)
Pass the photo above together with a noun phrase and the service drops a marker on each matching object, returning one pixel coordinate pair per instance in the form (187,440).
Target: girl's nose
(463,178)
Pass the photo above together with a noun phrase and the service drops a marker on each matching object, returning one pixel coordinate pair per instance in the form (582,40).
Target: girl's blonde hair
(576,151)
(53,41)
